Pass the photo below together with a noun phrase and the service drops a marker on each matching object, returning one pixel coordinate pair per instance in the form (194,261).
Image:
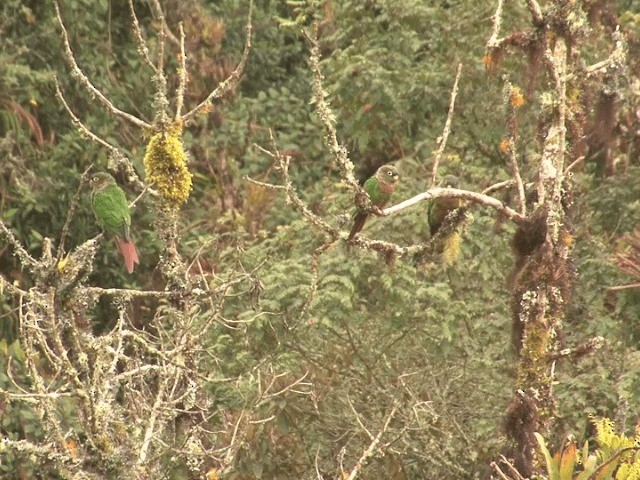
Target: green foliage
(362,332)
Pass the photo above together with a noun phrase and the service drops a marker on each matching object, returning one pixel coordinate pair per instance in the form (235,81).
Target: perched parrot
(439,208)
(437,211)
(112,212)
(380,187)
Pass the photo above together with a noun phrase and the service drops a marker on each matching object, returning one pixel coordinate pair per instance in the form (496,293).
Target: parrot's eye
(390,173)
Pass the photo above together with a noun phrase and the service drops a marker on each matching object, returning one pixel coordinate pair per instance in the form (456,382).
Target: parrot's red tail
(129,253)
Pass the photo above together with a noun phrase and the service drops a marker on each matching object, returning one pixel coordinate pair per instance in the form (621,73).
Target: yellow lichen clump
(165,165)
(451,249)
(505,146)
(516,97)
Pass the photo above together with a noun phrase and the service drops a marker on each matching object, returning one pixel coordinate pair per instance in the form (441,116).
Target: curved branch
(480,198)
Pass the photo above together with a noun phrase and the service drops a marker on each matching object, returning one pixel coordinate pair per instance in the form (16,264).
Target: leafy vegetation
(311,347)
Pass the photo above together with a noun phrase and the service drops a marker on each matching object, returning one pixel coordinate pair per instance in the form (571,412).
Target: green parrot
(380,187)
(112,213)
(439,208)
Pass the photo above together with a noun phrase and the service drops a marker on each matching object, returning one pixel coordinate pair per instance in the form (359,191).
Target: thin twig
(71,213)
(327,117)
(25,259)
(84,130)
(624,287)
(230,82)
(447,128)
(143,49)
(497,22)
(536,12)
(373,446)
(182,74)
(590,346)
(84,80)
(573,164)
(156,9)
(318,475)
(498,186)
(511,468)
(500,473)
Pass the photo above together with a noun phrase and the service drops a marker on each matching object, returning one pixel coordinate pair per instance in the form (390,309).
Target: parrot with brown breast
(379,188)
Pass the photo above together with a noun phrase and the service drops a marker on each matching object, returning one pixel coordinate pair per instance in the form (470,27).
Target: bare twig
(573,164)
(447,128)
(498,186)
(318,474)
(327,117)
(25,259)
(84,130)
(156,9)
(230,82)
(85,82)
(512,469)
(456,193)
(585,348)
(182,74)
(624,287)
(499,471)
(373,446)
(497,23)
(143,49)
(536,12)
(71,212)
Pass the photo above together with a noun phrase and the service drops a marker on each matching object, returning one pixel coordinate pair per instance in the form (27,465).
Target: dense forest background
(265,347)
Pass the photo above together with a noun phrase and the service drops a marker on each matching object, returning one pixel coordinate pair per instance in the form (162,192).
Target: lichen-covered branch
(19,251)
(86,83)
(327,117)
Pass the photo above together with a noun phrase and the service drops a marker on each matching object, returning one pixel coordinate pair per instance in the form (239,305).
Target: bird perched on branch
(380,187)
(110,207)
(439,208)
(437,212)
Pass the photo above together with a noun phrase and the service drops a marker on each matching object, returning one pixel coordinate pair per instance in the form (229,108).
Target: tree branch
(456,193)
(85,82)
(372,447)
(224,87)
(447,127)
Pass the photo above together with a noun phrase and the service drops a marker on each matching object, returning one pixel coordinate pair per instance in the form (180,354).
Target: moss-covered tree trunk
(541,284)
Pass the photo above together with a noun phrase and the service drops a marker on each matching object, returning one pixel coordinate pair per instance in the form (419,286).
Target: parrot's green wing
(379,197)
(371,187)
(112,211)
